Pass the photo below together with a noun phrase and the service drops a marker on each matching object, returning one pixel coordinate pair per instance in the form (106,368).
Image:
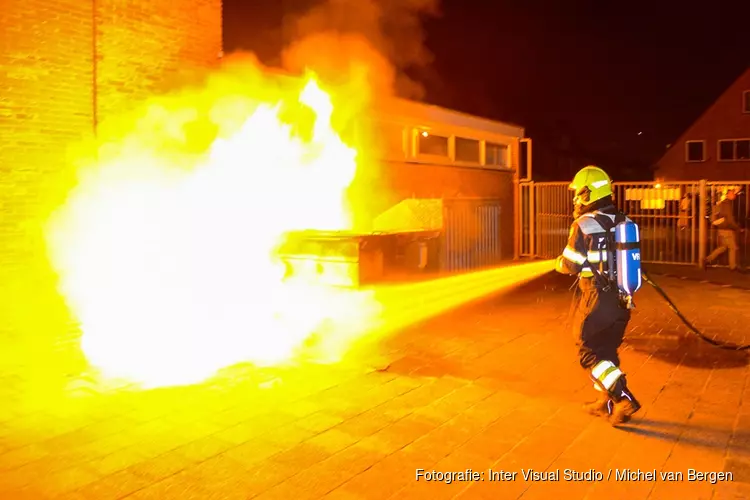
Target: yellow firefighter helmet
(590,184)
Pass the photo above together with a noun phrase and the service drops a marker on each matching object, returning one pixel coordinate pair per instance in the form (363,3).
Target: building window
(746,101)
(734,150)
(435,145)
(742,150)
(695,151)
(726,150)
(496,154)
(467,150)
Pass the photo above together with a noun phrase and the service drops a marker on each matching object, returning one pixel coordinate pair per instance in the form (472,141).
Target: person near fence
(723,220)
(686,205)
(599,317)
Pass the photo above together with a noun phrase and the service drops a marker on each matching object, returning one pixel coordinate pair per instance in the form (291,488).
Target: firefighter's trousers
(599,323)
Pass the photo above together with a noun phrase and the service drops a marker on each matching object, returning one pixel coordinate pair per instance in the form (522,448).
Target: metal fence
(674,218)
(471,236)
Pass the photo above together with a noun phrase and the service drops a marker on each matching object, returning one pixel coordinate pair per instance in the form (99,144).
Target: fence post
(532,220)
(517,219)
(702,229)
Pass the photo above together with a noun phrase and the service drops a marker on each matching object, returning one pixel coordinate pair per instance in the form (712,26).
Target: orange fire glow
(170,268)
(167,252)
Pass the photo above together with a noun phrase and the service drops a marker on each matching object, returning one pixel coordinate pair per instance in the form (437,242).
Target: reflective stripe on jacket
(586,245)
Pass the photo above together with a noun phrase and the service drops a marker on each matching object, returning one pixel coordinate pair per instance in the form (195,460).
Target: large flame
(171,269)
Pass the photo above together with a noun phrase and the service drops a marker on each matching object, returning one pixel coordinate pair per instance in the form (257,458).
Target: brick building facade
(65,65)
(717,146)
(453,174)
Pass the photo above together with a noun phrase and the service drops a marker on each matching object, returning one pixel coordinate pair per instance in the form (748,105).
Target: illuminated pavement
(496,386)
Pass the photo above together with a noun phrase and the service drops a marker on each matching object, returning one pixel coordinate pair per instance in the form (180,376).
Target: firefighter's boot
(625,404)
(599,408)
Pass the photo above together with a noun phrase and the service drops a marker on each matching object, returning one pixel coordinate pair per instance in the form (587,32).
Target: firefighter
(600,316)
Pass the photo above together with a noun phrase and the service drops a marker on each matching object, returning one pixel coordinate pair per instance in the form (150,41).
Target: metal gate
(674,218)
(471,236)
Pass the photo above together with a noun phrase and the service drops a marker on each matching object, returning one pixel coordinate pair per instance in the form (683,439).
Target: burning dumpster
(333,258)
(403,242)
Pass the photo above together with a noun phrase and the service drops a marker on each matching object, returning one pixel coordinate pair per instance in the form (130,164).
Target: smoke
(381,41)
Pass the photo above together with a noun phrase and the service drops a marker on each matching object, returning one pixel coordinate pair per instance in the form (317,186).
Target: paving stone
(254,451)
(285,491)
(340,494)
(327,475)
(302,455)
(66,481)
(181,485)
(398,434)
(116,485)
(366,424)
(117,461)
(162,466)
(386,477)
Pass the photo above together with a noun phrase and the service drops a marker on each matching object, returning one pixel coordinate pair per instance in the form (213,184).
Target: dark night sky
(601,71)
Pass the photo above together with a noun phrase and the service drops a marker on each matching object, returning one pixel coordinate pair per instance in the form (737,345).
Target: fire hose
(689,325)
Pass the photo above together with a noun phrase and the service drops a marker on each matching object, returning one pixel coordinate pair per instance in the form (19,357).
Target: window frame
(734,150)
(687,151)
(495,166)
(418,155)
(463,163)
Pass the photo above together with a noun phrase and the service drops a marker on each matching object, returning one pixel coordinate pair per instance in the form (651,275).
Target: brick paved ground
(491,387)
(714,275)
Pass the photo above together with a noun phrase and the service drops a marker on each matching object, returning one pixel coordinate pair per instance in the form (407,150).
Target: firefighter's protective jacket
(586,245)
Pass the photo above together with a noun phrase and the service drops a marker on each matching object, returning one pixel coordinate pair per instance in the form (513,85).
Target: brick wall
(722,120)
(53,91)
(46,102)
(143,46)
